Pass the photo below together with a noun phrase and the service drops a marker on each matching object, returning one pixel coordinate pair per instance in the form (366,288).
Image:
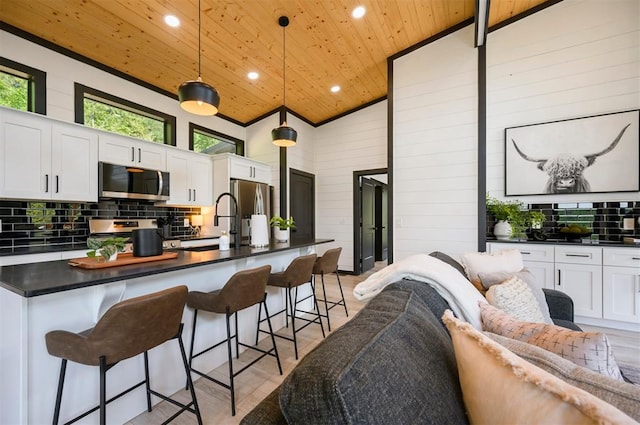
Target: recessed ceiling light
(335,89)
(359,12)
(253,75)
(172,21)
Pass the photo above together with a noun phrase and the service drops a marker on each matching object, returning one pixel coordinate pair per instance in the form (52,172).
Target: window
(211,142)
(22,87)
(96,109)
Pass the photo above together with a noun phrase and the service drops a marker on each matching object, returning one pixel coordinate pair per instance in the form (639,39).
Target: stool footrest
(183,407)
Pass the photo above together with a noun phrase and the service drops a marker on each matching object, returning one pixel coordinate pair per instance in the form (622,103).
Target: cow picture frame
(593,154)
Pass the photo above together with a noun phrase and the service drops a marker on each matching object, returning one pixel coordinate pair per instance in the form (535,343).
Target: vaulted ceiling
(325,46)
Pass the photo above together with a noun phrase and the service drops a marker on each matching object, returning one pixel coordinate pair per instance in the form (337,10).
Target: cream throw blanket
(461,295)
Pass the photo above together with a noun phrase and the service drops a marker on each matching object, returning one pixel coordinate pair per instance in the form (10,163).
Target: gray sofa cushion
(393,363)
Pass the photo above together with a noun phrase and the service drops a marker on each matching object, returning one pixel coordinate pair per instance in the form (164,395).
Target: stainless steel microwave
(131,182)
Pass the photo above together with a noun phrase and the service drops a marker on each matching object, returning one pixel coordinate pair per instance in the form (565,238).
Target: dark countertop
(605,244)
(31,280)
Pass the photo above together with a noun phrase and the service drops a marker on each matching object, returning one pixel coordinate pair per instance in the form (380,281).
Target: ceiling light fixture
(335,89)
(196,96)
(359,12)
(253,75)
(172,21)
(284,136)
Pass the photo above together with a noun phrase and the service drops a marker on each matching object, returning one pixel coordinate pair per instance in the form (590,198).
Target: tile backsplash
(611,221)
(27,223)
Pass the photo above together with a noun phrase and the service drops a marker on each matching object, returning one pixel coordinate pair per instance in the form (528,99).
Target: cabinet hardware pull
(194,195)
(139,154)
(46,183)
(635,258)
(525,253)
(133,154)
(559,278)
(57,183)
(189,195)
(578,255)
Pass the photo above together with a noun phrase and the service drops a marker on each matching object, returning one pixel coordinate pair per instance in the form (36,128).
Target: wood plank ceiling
(325,46)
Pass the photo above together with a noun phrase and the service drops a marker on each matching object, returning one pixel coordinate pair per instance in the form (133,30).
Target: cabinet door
(262,173)
(201,170)
(25,156)
(241,169)
(178,167)
(116,149)
(74,161)
(543,273)
(151,155)
(583,283)
(621,293)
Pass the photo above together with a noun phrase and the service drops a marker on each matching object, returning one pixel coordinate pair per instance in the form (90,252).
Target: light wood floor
(258,381)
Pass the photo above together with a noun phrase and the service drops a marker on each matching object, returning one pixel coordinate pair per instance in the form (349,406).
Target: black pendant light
(284,136)
(196,96)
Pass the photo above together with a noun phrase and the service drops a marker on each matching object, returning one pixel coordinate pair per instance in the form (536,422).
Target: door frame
(293,171)
(357,216)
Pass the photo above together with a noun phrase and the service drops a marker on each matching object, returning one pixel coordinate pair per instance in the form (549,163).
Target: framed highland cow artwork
(594,154)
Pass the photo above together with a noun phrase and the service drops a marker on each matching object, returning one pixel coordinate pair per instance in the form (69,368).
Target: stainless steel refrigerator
(245,193)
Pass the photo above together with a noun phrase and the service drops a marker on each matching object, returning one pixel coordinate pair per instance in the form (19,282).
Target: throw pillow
(514,297)
(534,396)
(490,279)
(509,260)
(588,349)
(622,395)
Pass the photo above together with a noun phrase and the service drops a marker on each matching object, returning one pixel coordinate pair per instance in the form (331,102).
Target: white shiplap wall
(258,146)
(352,143)
(63,72)
(435,147)
(300,156)
(574,59)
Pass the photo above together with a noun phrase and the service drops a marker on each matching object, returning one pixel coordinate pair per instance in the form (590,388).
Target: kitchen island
(40,297)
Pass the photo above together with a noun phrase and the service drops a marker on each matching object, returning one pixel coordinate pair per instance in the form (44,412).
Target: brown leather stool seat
(326,264)
(128,328)
(297,273)
(243,290)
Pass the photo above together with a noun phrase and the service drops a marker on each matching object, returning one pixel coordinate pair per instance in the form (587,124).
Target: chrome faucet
(234,230)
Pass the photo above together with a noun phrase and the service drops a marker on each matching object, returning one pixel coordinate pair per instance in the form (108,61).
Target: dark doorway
(370,218)
(368,223)
(302,200)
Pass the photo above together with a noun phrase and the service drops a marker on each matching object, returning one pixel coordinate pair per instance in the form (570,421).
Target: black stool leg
(63,370)
(237,341)
(324,295)
(293,319)
(187,369)
(146,380)
(273,338)
(231,386)
(193,339)
(315,302)
(344,303)
(259,316)
(103,390)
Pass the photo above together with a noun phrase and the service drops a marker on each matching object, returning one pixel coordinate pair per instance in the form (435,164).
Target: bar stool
(326,264)
(243,290)
(297,273)
(128,328)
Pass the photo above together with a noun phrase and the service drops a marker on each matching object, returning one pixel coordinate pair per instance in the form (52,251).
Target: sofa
(394,362)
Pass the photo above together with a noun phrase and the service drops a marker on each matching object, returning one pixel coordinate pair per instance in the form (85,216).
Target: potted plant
(509,216)
(281,227)
(106,248)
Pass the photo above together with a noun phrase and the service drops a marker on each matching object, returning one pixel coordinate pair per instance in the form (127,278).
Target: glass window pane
(205,143)
(14,91)
(118,120)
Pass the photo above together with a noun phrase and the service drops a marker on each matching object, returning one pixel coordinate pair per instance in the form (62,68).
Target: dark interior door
(302,201)
(368,225)
(381,222)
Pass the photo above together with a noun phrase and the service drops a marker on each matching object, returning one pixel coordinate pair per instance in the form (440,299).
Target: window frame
(195,127)
(36,84)
(81,92)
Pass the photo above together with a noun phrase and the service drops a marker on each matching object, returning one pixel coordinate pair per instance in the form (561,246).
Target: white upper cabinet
(229,166)
(46,159)
(190,177)
(123,150)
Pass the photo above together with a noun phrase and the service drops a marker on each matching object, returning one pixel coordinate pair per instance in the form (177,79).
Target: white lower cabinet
(621,285)
(603,282)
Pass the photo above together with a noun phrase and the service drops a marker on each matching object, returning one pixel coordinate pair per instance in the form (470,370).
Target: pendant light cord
(199,49)
(284,68)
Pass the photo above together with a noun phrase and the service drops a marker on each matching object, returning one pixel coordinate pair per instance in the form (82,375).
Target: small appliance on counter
(147,242)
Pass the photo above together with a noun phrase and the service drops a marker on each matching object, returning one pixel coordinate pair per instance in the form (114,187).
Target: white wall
(258,146)
(574,59)
(435,147)
(352,143)
(63,72)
